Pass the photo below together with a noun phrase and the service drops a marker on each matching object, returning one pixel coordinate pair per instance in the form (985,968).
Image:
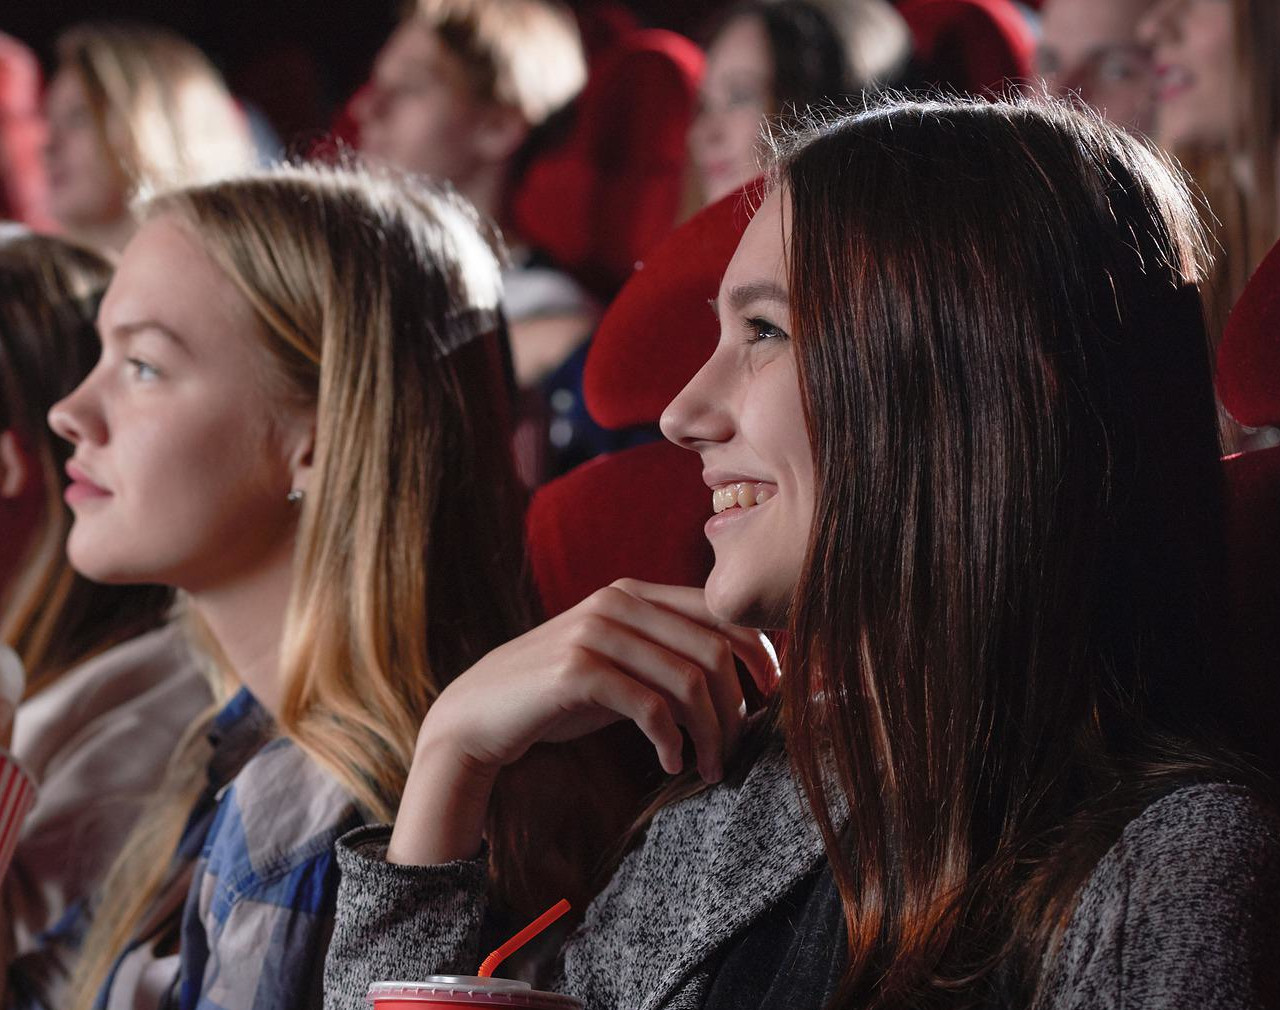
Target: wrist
(445,805)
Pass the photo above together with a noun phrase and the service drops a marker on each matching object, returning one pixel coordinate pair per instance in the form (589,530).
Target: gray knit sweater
(1182,912)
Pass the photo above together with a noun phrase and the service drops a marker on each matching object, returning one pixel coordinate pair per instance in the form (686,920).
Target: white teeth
(744,495)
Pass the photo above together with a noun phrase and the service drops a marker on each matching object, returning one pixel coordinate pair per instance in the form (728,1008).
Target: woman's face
(736,95)
(182,463)
(1193,49)
(87,187)
(742,413)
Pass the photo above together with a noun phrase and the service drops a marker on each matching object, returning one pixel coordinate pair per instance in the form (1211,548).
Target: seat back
(1248,381)
(973,46)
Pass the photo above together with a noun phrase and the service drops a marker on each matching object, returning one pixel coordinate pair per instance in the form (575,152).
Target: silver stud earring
(295,496)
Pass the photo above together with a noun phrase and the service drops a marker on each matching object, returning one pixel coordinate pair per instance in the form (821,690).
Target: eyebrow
(126,330)
(745,294)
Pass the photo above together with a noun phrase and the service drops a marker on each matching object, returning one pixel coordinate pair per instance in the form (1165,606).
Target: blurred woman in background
(110,685)
(1218,109)
(778,59)
(133,108)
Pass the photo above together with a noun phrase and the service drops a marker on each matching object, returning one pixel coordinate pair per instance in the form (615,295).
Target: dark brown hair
(53,617)
(1009,599)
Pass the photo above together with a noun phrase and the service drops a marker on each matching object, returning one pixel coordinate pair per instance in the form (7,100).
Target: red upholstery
(640,512)
(602,198)
(1249,386)
(971,45)
(1249,355)
(661,326)
(22,182)
(1253,554)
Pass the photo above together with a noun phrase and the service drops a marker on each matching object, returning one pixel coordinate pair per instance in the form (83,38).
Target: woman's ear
(14,465)
(300,450)
(499,133)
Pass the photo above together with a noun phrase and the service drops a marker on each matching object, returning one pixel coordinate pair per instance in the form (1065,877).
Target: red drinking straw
(524,936)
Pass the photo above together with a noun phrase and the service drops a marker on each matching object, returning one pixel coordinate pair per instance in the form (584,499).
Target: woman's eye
(142,370)
(761,329)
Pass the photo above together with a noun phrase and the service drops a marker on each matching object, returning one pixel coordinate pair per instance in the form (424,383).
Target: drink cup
(456,991)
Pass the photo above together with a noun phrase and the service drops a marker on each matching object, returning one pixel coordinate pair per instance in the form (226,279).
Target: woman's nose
(71,419)
(700,413)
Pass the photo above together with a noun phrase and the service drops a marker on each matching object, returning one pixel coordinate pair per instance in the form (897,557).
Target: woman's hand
(651,654)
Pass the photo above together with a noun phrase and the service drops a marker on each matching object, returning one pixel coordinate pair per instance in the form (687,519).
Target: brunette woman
(777,59)
(936,438)
(297,419)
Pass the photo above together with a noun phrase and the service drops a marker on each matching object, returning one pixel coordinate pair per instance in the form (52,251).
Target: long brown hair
(379,303)
(53,617)
(1009,595)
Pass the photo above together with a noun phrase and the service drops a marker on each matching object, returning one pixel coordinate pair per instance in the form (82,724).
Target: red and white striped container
(454,992)
(17,797)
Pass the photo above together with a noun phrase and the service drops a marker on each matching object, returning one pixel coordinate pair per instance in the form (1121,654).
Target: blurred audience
(458,92)
(1218,80)
(1091,48)
(110,683)
(133,108)
(1218,91)
(778,58)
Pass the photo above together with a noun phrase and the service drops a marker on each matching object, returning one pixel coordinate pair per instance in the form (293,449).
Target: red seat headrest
(1249,355)
(22,180)
(660,330)
(585,531)
(602,197)
(973,45)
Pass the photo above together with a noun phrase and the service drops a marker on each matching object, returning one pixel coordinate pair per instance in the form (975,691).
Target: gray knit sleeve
(400,923)
(1182,912)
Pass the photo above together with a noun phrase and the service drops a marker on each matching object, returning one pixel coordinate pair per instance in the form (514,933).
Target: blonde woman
(132,108)
(102,662)
(298,419)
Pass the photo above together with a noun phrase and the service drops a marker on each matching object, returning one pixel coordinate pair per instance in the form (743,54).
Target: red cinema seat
(972,46)
(640,512)
(22,181)
(601,199)
(1248,383)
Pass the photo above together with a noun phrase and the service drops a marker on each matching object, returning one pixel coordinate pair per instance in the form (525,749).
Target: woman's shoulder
(1211,831)
(281,811)
(1181,911)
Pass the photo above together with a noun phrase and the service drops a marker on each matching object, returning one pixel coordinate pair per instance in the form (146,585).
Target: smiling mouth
(743,495)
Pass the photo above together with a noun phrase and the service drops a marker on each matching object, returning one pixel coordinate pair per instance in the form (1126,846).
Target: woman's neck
(246,617)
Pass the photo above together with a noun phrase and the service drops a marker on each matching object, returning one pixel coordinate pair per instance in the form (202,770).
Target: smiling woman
(986,777)
(297,418)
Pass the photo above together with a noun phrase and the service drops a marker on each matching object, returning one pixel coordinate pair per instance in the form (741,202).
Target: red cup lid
(471,990)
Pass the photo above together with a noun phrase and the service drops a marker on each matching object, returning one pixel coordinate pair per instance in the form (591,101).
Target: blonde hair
(379,304)
(159,105)
(526,54)
(53,617)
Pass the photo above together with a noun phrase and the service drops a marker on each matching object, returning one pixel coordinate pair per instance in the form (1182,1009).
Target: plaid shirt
(261,880)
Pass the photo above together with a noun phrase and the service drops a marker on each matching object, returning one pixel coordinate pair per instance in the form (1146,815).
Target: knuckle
(624,585)
(650,709)
(687,681)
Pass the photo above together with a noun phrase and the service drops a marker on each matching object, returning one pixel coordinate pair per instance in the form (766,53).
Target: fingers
(748,644)
(684,683)
(647,708)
